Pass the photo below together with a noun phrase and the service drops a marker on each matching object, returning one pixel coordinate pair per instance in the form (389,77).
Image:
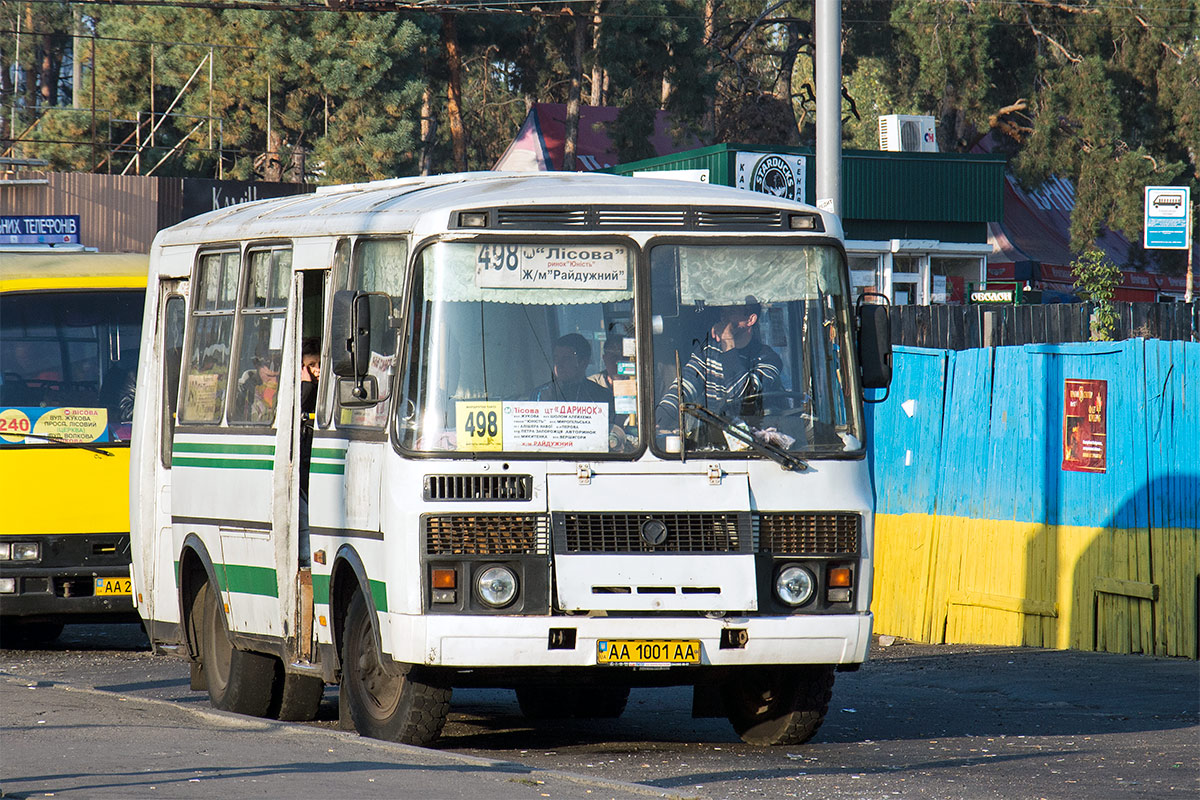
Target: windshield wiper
(83,445)
(726,425)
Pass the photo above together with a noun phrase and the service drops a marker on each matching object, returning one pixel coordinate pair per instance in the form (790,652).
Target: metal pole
(828,24)
(76,63)
(210,98)
(16,79)
(1187,287)
(95,160)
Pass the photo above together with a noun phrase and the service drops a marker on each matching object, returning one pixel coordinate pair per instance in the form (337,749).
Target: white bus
(507,484)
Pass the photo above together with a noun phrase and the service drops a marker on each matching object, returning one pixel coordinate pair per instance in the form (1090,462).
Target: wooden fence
(982,536)
(962,327)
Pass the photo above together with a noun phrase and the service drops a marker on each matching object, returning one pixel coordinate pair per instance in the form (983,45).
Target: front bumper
(497,641)
(61,585)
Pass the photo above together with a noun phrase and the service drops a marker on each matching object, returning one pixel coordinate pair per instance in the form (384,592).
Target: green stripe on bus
(222,463)
(329,452)
(251,580)
(328,469)
(233,449)
(379,595)
(320,584)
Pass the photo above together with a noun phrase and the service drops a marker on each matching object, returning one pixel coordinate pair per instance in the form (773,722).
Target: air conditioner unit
(907,133)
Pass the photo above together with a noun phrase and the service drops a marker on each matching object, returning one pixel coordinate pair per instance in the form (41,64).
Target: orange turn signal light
(839,576)
(444,579)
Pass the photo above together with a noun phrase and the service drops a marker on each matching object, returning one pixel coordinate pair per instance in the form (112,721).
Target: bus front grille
(598,532)
(501,488)
(808,533)
(485,534)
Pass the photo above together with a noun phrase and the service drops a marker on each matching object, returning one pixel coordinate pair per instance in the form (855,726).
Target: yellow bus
(70,324)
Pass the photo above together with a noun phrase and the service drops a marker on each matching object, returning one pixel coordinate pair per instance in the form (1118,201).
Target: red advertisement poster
(1085,425)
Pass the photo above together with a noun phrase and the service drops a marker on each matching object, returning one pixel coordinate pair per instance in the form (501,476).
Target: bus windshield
(521,348)
(68,366)
(761,334)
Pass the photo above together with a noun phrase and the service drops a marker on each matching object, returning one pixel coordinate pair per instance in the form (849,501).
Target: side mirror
(357,392)
(874,344)
(351,346)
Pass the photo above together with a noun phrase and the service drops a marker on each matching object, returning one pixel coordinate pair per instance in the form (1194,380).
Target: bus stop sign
(1168,212)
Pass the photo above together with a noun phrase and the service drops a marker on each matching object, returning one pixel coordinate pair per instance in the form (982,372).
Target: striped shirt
(727,382)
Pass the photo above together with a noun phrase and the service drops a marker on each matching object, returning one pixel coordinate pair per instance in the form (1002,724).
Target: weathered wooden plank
(1018,605)
(1125,588)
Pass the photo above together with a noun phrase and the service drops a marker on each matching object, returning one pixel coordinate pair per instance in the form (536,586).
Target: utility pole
(828,67)
(76,61)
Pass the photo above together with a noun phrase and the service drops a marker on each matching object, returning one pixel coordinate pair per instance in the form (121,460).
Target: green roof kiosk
(916,223)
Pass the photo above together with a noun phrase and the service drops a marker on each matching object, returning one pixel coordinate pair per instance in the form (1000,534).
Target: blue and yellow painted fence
(982,537)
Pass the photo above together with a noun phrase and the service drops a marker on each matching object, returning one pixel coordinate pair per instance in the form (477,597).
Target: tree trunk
(709,122)
(598,73)
(428,131)
(52,55)
(458,136)
(573,93)
(6,98)
(31,66)
(783,83)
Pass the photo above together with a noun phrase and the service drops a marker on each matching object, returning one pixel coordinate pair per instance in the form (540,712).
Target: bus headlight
(794,585)
(21,551)
(497,586)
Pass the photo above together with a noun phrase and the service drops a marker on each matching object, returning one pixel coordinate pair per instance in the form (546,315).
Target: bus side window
(262,317)
(211,335)
(174,319)
(339,278)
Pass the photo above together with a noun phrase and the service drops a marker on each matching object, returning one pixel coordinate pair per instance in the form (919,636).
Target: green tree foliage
(1106,94)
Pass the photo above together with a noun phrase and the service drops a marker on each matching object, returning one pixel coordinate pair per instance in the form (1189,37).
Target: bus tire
(778,705)
(238,680)
(295,698)
(396,702)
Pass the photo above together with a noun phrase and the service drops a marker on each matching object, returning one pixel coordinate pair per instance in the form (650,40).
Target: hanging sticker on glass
(480,424)
(557,266)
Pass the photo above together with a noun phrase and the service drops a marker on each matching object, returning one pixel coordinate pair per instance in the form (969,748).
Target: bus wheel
(238,680)
(399,703)
(778,705)
(295,698)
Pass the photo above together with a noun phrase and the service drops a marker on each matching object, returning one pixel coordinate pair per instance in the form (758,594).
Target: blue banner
(49,229)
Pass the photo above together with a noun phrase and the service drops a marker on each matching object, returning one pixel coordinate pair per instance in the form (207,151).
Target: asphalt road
(917,721)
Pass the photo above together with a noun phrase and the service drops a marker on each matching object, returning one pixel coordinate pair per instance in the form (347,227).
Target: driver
(728,372)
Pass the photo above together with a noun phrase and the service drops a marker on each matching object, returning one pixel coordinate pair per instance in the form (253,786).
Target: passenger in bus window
(258,390)
(569,382)
(728,372)
(610,357)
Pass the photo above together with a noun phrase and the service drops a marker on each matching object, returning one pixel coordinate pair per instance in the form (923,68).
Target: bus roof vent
(634,218)
(541,218)
(739,219)
(500,488)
